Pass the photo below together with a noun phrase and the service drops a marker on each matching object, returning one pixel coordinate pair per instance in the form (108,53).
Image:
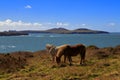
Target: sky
(70,14)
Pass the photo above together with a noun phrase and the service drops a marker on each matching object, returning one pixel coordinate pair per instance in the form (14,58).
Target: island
(76,31)
(66,31)
(53,30)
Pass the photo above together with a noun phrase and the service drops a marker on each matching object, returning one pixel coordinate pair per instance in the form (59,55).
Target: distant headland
(13,33)
(66,31)
(53,30)
(76,31)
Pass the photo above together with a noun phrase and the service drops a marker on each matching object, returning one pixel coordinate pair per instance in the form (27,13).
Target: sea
(37,41)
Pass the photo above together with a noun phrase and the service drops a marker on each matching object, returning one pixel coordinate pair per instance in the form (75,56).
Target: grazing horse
(70,51)
(53,50)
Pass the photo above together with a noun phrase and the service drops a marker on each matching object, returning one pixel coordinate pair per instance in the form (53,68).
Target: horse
(53,50)
(70,51)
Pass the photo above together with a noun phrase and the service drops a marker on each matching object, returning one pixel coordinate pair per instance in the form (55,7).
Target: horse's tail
(83,52)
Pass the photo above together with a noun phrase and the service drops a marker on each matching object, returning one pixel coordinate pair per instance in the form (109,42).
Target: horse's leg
(53,58)
(81,61)
(82,57)
(70,60)
(64,59)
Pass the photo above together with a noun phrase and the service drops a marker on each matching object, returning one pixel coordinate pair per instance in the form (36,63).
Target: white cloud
(50,25)
(111,24)
(28,7)
(9,24)
(83,24)
(8,21)
(18,25)
(60,24)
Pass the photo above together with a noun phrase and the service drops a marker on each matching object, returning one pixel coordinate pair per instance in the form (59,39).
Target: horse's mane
(49,45)
(53,49)
(62,46)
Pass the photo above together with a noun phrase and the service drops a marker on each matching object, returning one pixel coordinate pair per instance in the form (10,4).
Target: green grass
(41,68)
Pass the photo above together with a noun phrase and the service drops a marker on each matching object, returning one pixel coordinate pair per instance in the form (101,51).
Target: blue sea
(35,42)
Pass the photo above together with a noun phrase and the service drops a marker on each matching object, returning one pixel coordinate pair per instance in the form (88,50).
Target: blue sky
(70,14)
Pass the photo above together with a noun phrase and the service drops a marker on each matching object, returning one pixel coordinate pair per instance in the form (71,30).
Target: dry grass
(101,64)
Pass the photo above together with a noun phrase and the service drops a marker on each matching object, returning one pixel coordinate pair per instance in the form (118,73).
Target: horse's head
(49,46)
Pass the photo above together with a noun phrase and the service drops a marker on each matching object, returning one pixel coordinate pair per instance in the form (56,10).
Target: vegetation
(101,64)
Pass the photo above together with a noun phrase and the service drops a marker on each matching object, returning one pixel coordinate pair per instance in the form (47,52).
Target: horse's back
(62,49)
(70,50)
(62,46)
(76,49)
(78,45)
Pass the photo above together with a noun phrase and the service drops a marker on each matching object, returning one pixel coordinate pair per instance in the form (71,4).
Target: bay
(35,42)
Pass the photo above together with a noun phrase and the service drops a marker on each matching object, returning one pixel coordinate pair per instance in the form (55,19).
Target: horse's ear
(47,44)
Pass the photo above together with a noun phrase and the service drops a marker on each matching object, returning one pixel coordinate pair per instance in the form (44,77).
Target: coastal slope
(101,64)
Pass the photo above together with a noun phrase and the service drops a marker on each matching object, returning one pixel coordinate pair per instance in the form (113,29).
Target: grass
(40,67)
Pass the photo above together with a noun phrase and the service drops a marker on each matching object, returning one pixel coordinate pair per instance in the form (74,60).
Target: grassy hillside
(101,64)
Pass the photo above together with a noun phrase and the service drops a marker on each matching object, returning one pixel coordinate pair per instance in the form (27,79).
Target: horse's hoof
(62,65)
(83,64)
(70,64)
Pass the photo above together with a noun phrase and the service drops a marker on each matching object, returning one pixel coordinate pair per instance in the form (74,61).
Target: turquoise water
(34,42)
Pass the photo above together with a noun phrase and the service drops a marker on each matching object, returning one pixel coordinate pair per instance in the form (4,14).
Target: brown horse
(53,50)
(70,51)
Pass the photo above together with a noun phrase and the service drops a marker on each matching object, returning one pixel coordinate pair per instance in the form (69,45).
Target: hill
(87,31)
(76,31)
(58,30)
(66,31)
